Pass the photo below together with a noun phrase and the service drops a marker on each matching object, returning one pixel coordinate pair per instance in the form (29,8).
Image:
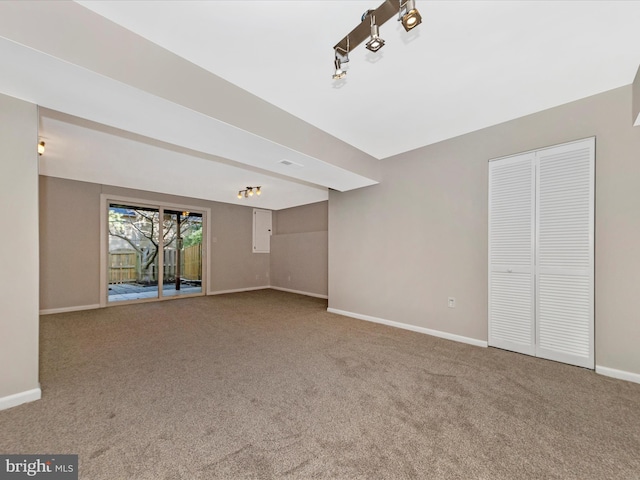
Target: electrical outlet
(451,302)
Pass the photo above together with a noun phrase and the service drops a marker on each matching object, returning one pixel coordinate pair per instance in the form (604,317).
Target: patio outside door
(149,258)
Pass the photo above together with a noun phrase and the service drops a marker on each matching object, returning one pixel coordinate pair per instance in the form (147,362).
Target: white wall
(18,252)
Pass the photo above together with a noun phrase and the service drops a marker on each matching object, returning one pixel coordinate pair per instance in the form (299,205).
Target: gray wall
(299,249)
(397,250)
(313,217)
(18,247)
(70,242)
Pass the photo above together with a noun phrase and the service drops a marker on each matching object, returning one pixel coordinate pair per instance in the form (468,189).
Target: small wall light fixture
(249,191)
(40,147)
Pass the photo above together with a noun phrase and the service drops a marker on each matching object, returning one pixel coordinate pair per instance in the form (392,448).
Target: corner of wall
(635,100)
(16,399)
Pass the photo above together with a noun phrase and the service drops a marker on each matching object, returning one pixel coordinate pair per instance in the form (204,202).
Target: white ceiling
(89,152)
(471,64)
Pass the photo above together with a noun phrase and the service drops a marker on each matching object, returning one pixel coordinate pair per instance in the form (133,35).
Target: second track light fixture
(369,27)
(249,191)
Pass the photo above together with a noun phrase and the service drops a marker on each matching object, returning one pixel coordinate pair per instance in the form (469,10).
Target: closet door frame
(535,349)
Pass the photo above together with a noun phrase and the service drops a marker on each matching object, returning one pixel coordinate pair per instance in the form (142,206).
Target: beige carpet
(268,384)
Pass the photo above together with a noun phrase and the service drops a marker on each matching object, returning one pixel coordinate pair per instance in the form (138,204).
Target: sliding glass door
(182,272)
(149,258)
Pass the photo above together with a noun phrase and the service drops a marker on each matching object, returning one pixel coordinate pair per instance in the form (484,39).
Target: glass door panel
(133,252)
(182,239)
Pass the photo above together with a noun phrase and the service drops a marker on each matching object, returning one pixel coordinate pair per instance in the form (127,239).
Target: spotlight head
(375,43)
(240,194)
(250,190)
(340,73)
(40,148)
(258,192)
(411,17)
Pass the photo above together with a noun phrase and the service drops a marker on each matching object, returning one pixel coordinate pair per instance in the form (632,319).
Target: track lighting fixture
(369,28)
(40,148)
(249,191)
(409,15)
(375,43)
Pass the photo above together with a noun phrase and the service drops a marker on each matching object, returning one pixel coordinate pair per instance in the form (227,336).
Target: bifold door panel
(511,223)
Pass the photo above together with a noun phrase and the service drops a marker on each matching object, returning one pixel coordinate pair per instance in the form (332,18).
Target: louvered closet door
(564,244)
(511,253)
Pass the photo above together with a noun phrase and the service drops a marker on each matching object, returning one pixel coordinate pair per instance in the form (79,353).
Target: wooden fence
(124,267)
(192,262)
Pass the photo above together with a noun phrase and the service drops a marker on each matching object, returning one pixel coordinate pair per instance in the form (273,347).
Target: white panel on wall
(261,231)
(511,223)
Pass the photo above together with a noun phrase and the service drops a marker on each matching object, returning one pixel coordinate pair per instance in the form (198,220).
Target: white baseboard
(620,374)
(300,292)
(50,311)
(238,290)
(19,398)
(413,328)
